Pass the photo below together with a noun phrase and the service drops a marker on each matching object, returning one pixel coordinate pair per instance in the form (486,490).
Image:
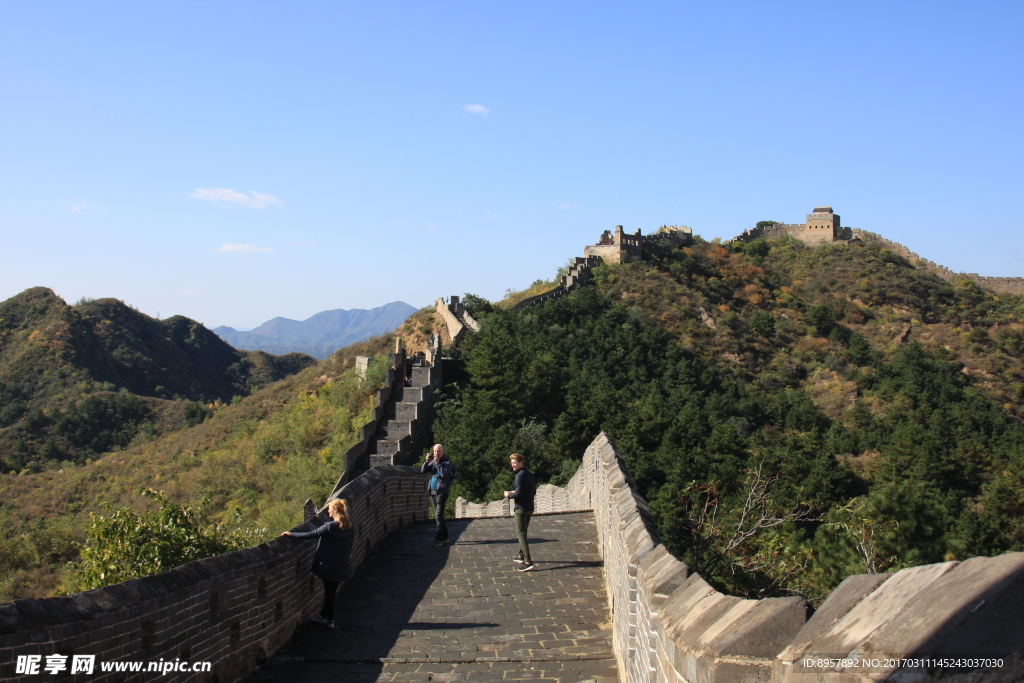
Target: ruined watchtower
(617,247)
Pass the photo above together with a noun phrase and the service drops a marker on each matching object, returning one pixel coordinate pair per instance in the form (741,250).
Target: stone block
(703,616)
(854,628)
(850,592)
(11,620)
(737,671)
(762,631)
(975,609)
(653,564)
(679,603)
(103,599)
(637,539)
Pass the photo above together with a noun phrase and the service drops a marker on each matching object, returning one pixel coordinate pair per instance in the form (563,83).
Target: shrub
(125,544)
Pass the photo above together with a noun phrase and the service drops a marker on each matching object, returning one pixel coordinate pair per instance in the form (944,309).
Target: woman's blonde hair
(338,509)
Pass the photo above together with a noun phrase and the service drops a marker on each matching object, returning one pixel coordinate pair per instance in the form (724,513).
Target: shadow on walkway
(461,612)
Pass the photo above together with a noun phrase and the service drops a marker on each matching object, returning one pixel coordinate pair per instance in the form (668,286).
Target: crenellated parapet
(670,626)
(456,318)
(577,274)
(232,610)
(1003,285)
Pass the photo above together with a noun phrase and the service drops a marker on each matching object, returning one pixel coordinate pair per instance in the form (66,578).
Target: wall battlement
(671,626)
(456,318)
(619,247)
(576,274)
(823,226)
(1003,285)
(232,610)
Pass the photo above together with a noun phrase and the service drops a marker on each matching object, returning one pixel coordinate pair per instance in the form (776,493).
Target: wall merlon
(847,595)
(702,617)
(953,599)
(765,630)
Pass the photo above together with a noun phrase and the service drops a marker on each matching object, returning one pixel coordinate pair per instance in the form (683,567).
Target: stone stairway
(396,441)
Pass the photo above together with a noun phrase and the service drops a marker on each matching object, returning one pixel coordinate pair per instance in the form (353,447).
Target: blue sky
(236,161)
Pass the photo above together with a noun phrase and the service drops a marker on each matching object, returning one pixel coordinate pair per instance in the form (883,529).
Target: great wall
(666,623)
(823,226)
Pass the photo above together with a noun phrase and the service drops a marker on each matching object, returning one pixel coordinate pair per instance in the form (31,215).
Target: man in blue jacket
(526,489)
(440,486)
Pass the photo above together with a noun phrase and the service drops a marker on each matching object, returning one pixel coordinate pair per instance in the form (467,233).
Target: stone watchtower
(822,225)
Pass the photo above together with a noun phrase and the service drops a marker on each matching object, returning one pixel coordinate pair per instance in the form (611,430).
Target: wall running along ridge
(577,273)
(456,318)
(1003,285)
(232,610)
(671,626)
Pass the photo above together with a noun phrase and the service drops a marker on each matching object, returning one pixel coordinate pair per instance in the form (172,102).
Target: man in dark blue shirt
(526,489)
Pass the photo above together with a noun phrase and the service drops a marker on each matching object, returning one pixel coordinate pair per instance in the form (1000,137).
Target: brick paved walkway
(462,613)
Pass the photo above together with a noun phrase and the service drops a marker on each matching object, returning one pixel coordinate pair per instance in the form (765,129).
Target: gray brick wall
(231,610)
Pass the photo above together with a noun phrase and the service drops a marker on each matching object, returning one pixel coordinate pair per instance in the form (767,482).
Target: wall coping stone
(765,629)
(951,600)
(848,594)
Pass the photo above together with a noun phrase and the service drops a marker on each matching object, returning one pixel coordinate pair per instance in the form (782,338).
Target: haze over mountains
(319,335)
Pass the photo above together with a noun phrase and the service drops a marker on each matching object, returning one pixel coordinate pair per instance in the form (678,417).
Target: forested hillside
(237,472)
(792,414)
(78,381)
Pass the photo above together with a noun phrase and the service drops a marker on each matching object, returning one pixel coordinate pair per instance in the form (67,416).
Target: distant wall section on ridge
(823,226)
(1004,285)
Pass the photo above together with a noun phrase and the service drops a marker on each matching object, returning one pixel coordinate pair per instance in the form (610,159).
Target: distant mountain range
(320,335)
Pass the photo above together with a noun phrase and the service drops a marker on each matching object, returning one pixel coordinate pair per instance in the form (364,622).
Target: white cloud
(569,206)
(228,248)
(478,109)
(253,200)
(491,216)
(431,226)
(82,206)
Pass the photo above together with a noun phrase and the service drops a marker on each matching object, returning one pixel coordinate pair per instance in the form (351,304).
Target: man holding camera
(440,486)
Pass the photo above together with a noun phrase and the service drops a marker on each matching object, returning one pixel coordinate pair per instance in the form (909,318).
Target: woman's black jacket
(332,559)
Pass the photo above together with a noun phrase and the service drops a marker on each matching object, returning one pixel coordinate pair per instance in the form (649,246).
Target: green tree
(124,544)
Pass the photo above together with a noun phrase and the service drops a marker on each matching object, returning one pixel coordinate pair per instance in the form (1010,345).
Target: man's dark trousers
(440,499)
(522,527)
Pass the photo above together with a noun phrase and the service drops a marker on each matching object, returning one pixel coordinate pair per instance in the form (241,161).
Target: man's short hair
(518,457)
